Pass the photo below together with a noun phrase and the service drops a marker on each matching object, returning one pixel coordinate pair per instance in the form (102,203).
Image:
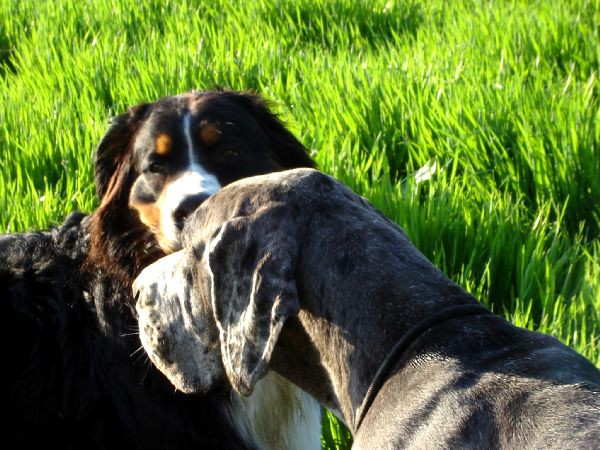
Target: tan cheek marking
(163,144)
(210,134)
(150,215)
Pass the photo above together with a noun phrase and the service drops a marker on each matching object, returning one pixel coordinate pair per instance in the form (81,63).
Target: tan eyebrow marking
(163,144)
(210,133)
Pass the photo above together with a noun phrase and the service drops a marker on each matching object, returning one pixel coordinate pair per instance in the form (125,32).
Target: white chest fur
(278,416)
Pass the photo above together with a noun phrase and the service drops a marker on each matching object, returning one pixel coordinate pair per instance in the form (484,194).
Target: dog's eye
(154,168)
(229,154)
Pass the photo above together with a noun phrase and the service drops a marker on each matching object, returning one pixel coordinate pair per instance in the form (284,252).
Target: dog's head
(213,312)
(161,160)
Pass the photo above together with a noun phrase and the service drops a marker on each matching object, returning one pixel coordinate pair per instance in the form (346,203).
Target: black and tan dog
(73,374)
(294,272)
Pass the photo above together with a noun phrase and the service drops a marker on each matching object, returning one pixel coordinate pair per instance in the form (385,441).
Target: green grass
(500,97)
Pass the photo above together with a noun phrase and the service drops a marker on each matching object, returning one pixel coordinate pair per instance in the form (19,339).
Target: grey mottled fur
(294,272)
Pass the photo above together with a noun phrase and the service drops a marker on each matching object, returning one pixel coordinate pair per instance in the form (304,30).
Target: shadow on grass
(7,51)
(332,24)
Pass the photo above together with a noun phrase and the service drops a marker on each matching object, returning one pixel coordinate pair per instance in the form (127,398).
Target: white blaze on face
(194,180)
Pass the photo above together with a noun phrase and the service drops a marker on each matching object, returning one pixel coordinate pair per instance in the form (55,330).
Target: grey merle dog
(294,273)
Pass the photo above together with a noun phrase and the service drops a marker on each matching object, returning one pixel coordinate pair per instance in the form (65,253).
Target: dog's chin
(188,382)
(187,385)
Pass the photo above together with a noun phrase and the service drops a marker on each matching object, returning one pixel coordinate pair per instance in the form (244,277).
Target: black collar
(405,342)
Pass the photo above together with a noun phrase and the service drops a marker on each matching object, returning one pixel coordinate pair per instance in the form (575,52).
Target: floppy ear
(253,291)
(114,149)
(285,148)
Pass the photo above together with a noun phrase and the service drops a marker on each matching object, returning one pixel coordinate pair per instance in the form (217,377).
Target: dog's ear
(286,150)
(253,291)
(115,148)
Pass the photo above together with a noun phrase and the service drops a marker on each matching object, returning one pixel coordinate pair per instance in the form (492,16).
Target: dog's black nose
(186,207)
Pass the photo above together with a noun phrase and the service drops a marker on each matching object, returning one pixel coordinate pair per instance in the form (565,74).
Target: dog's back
(480,382)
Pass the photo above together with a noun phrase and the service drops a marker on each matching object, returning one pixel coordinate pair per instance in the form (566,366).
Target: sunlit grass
(500,98)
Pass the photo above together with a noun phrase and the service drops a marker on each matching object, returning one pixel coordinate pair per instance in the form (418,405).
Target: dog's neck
(347,327)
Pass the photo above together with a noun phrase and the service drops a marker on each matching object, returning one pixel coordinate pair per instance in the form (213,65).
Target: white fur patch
(193,181)
(278,415)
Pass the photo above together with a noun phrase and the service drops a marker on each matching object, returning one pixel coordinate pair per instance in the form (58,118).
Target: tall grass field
(475,125)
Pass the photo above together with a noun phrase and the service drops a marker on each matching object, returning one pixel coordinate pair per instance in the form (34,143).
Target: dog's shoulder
(530,379)
(39,273)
